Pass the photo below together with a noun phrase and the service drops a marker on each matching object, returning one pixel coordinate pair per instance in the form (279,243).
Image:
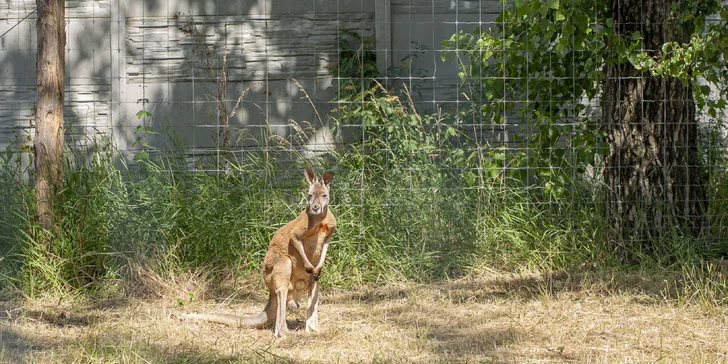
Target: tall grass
(416,198)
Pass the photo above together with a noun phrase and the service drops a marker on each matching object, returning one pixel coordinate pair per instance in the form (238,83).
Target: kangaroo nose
(316,207)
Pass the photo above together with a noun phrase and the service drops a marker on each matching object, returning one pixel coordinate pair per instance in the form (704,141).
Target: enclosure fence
(426,126)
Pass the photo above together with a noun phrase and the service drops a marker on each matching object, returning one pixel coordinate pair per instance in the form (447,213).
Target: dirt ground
(493,318)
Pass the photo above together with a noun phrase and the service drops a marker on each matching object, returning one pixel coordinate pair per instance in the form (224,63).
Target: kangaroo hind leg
(312,309)
(281,327)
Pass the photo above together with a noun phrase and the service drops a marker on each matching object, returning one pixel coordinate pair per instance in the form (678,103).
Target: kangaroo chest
(312,245)
(313,242)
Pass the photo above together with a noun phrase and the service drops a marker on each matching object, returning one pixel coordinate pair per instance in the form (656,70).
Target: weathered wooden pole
(48,144)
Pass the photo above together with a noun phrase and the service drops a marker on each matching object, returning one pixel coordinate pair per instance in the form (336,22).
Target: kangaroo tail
(258,321)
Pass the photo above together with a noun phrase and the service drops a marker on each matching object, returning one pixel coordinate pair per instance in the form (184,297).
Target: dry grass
(494,318)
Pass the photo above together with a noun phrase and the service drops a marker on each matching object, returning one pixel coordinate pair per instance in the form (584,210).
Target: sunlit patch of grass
(526,317)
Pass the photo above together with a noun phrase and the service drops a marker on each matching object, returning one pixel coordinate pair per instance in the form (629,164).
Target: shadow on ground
(523,287)
(482,318)
(476,318)
(40,335)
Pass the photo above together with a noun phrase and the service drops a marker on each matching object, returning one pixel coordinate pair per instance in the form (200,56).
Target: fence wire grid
(383,92)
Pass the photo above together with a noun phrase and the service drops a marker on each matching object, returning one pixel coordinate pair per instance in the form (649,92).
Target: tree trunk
(48,144)
(654,182)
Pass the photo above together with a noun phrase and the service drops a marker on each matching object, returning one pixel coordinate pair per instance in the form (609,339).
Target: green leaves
(143,114)
(544,58)
(143,131)
(535,67)
(141,156)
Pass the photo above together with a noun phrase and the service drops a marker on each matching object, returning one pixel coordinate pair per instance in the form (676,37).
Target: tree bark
(48,144)
(654,181)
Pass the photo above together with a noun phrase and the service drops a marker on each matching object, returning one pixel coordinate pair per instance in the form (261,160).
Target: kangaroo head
(318,191)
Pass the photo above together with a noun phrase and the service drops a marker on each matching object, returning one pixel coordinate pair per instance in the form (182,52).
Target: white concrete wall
(123,51)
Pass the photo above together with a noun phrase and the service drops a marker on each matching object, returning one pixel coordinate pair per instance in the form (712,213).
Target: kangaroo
(293,263)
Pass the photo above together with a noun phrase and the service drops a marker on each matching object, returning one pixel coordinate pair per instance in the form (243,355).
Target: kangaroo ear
(310,175)
(327,177)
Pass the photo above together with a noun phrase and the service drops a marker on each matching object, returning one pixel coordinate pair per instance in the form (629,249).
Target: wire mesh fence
(451,125)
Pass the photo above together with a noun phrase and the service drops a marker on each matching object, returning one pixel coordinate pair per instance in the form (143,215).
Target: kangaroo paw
(312,324)
(294,305)
(316,274)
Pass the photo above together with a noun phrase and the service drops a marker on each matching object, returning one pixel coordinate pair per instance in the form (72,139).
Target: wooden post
(48,144)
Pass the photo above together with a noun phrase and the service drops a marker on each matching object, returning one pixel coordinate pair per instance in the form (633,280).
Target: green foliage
(543,62)
(411,169)
(698,60)
(161,210)
(540,62)
(356,70)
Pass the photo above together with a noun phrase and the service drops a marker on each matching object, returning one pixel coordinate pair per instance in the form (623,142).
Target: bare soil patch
(495,318)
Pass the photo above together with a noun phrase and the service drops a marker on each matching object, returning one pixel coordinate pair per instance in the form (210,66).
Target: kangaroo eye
(309,196)
(325,196)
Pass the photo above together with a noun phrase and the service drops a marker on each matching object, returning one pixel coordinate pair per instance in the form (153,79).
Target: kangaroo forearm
(323,256)
(298,244)
(325,248)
